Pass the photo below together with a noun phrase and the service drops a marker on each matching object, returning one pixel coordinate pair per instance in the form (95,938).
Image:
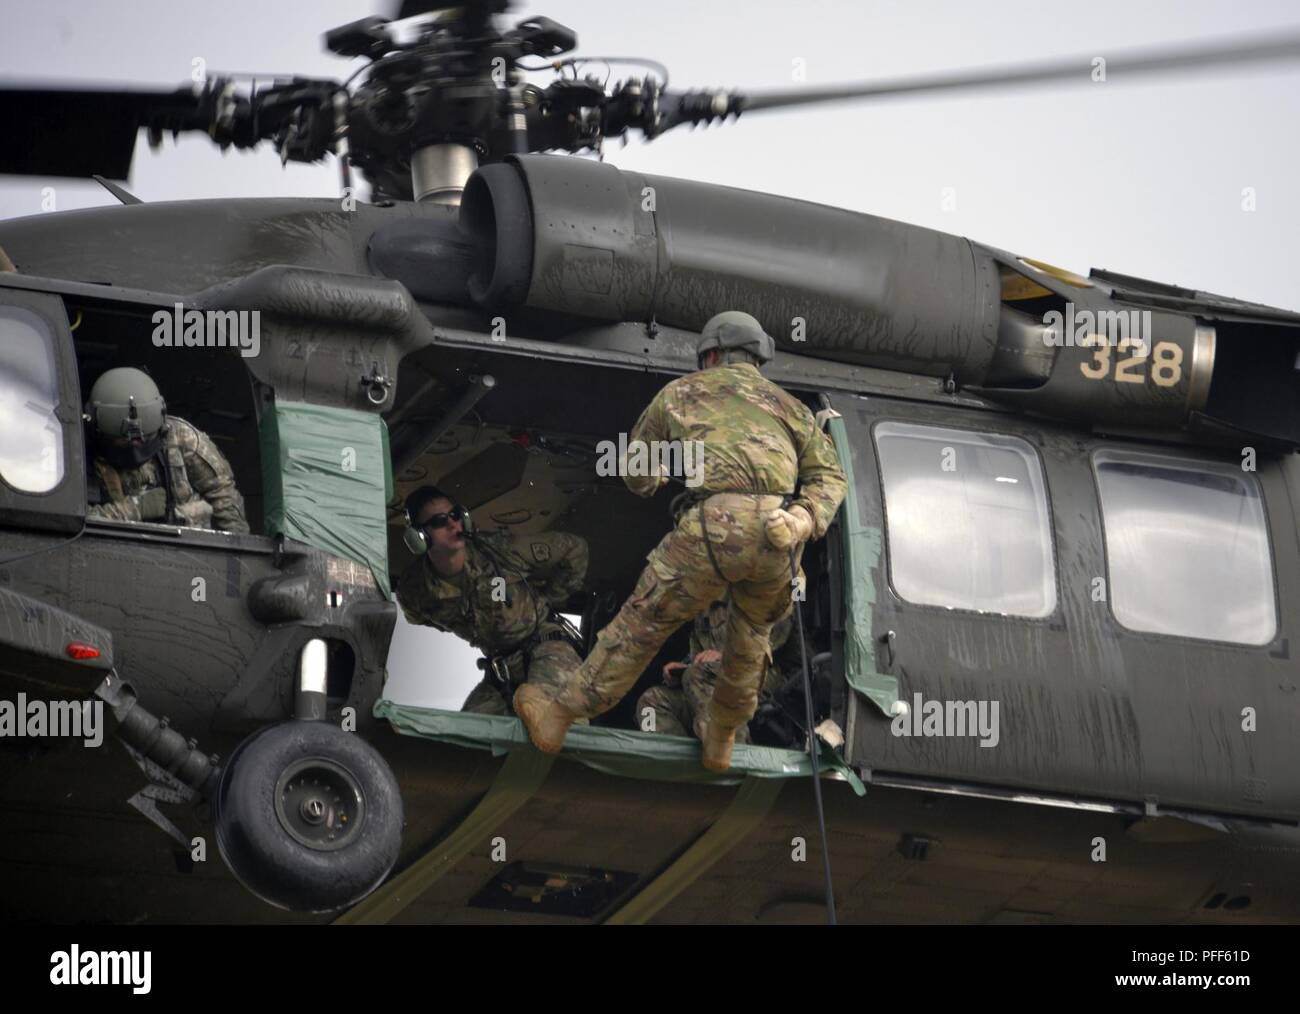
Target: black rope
(812,745)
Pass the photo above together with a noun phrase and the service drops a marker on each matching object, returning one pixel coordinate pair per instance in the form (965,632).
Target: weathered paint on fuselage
(1101,714)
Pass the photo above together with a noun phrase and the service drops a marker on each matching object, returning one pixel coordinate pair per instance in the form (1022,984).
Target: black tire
(309,817)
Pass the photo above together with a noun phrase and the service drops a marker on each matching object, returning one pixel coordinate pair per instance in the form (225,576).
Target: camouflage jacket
(753,437)
(539,573)
(203,484)
(710,632)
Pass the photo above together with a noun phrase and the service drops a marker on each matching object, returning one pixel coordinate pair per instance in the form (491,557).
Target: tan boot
(715,745)
(546,720)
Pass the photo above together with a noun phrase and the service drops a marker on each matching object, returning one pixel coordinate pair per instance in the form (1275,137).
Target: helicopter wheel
(309,817)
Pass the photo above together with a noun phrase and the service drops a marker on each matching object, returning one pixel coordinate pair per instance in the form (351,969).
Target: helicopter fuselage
(579,294)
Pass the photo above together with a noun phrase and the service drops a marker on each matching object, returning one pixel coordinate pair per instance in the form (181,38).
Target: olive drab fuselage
(372,310)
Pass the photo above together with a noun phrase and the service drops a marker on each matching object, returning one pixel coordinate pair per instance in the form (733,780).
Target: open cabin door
(1038,652)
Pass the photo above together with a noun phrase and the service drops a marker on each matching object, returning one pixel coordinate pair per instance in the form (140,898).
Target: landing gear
(309,817)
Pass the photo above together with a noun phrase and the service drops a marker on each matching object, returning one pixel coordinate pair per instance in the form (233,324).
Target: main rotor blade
(81,132)
(1122,65)
(415,8)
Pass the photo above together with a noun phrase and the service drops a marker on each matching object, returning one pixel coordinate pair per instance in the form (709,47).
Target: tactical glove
(196,514)
(151,505)
(788,528)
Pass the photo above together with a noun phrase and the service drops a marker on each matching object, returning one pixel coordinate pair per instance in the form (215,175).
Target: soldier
(499,592)
(744,530)
(681,702)
(152,467)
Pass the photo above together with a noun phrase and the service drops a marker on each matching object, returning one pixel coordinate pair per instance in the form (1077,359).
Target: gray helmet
(734,329)
(125,402)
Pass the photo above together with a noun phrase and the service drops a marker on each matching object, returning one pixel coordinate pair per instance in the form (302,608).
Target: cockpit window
(31,438)
(1186,548)
(966,519)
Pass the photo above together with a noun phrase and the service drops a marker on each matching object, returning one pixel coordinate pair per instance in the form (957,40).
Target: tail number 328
(1131,361)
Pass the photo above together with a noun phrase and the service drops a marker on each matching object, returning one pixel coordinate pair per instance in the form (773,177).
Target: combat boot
(547,719)
(715,745)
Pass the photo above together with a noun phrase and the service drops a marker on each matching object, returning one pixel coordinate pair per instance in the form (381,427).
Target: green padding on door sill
(747,810)
(520,777)
(327,480)
(861,564)
(614,751)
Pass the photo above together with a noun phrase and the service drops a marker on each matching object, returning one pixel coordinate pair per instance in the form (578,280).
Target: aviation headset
(413,536)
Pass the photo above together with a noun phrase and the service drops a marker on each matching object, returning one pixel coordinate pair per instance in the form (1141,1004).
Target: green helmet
(733,329)
(125,402)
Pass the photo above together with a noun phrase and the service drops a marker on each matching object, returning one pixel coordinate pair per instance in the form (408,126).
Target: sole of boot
(531,711)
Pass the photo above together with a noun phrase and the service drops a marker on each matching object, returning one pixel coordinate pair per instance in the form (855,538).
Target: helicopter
(1071,497)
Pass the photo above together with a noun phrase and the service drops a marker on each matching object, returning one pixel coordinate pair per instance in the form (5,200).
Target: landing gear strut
(309,817)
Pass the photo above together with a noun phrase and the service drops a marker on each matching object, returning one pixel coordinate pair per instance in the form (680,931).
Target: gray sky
(1145,178)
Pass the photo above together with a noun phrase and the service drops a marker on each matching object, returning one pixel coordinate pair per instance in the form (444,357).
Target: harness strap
(691,498)
(708,544)
(497,667)
(165,466)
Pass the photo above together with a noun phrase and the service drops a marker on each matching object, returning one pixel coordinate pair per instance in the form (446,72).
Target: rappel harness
(696,499)
(498,665)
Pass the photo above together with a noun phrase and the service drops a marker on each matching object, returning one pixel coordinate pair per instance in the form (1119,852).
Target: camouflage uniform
(540,572)
(203,484)
(755,437)
(676,708)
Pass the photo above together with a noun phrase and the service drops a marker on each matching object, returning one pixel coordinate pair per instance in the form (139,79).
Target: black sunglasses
(443,519)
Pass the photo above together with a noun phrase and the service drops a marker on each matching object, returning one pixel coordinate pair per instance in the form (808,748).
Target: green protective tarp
(614,751)
(861,563)
(327,478)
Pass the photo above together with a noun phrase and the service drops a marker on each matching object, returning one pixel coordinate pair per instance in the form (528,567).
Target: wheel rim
(319,804)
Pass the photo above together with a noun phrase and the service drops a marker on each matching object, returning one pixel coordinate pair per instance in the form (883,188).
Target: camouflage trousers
(679,582)
(672,711)
(549,665)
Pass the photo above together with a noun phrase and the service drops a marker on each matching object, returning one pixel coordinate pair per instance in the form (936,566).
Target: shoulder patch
(541,552)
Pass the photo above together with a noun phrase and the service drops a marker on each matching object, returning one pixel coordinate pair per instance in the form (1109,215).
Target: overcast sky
(1146,178)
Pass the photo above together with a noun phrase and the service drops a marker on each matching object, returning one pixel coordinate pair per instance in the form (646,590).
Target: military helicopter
(1097,536)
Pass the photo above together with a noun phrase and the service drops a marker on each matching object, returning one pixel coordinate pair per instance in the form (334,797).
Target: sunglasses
(445,518)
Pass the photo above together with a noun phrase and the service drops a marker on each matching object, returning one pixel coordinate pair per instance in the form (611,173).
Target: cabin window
(966,520)
(1186,547)
(31,437)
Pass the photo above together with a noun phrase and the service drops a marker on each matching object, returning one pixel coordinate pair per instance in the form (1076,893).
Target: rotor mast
(439,172)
